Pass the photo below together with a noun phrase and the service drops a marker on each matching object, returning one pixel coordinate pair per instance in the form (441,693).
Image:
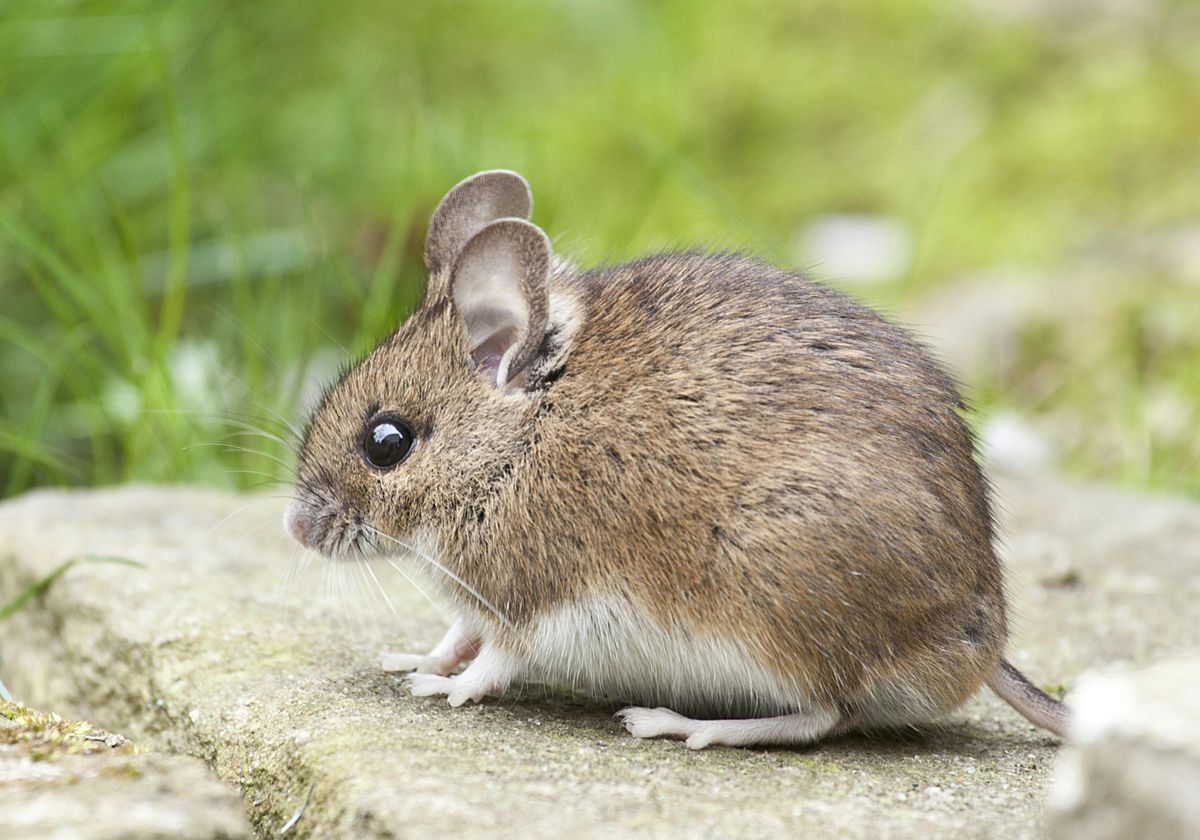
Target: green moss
(47,736)
(124,770)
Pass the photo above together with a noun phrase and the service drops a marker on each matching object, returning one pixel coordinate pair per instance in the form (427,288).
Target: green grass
(205,205)
(38,588)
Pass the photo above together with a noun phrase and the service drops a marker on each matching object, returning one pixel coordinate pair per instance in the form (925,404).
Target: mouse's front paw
(428,685)
(401,661)
(456,690)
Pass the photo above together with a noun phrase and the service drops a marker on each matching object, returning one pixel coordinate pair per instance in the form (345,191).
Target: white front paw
(401,661)
(428,685)
(462,692)
(490,673)
(456,690)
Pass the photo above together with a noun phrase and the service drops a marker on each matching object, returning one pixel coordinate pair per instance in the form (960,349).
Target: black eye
(387,442)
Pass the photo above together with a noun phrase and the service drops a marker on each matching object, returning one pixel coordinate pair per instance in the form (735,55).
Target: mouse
(728,497)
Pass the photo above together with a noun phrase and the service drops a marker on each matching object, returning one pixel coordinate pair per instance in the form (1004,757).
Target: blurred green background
(205,207)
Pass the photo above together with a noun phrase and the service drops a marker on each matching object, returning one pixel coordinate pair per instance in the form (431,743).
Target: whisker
(306,556)
(230,515)
(239,325)
(262,434)
(379,586)
(354,617)
(466,586)
(278,420)
(432,601)
(270,479)
(227,418)
(325,573)
(233,447)
(290,575)
(361,567)
(260,526)
(336,343)
(339,581)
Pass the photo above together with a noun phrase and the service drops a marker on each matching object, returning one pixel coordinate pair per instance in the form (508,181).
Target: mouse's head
(412,437)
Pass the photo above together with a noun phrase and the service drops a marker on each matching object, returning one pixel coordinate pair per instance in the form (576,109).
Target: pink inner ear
(487,365)
(487,356)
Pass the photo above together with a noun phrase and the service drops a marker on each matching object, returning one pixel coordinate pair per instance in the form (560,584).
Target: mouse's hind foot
(794,729)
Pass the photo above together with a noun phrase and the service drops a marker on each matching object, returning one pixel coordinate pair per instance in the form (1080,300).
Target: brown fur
(692,479)
(740,450)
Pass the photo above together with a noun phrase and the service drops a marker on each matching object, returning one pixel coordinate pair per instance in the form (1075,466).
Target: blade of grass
(41,405)
(66,280)
(179,214)
(378,304)
(32,450)
(39,587)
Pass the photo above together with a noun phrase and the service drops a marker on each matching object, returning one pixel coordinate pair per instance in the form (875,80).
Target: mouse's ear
(471,204)
(500,285)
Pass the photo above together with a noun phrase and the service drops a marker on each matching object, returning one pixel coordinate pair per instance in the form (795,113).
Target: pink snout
(293,523)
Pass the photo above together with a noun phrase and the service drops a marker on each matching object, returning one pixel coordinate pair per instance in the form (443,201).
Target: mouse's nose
(293,522)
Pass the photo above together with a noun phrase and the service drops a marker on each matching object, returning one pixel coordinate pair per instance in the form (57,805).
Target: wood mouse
(692,482)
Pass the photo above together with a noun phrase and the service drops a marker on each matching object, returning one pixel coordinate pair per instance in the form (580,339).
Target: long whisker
(361,589)
(266,523)
(280,424)
(299,570)
(288,579)
(339,577)
(244,332)
(227,418)
(280,421)
(237,447)
(433,602)
(262,433)
(328,576)
(270,479)
(336,343)
(232,447)
(441,610)
(233,513)
(466,586)
(366,565)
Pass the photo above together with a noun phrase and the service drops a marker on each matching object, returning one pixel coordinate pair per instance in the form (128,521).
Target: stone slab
(64,780)
(225,648)
(1133,768)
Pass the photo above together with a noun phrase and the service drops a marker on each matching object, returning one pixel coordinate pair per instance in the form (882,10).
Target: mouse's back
(744,452)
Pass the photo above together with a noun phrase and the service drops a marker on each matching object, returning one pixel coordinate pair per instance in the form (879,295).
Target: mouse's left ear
(500,286)
(470,205)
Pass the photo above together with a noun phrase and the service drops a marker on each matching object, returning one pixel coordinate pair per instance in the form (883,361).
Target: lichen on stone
(47,736)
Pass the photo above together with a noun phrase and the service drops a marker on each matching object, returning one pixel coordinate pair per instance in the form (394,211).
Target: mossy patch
(47,736)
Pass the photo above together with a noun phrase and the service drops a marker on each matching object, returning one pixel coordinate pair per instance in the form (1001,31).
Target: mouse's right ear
(470,206)
(500,286)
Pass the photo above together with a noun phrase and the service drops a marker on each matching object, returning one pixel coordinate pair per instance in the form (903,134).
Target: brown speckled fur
(740,450)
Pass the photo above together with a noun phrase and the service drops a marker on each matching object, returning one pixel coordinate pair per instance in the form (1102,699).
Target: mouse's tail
(1038,707)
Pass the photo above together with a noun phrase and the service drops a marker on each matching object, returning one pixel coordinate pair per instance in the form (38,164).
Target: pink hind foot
(795,729)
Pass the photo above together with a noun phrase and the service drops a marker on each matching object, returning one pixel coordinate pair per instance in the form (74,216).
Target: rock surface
(1133,769)
(221,648)
(65,780)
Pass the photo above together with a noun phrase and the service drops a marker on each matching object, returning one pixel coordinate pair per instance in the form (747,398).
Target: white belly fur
(610,649)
